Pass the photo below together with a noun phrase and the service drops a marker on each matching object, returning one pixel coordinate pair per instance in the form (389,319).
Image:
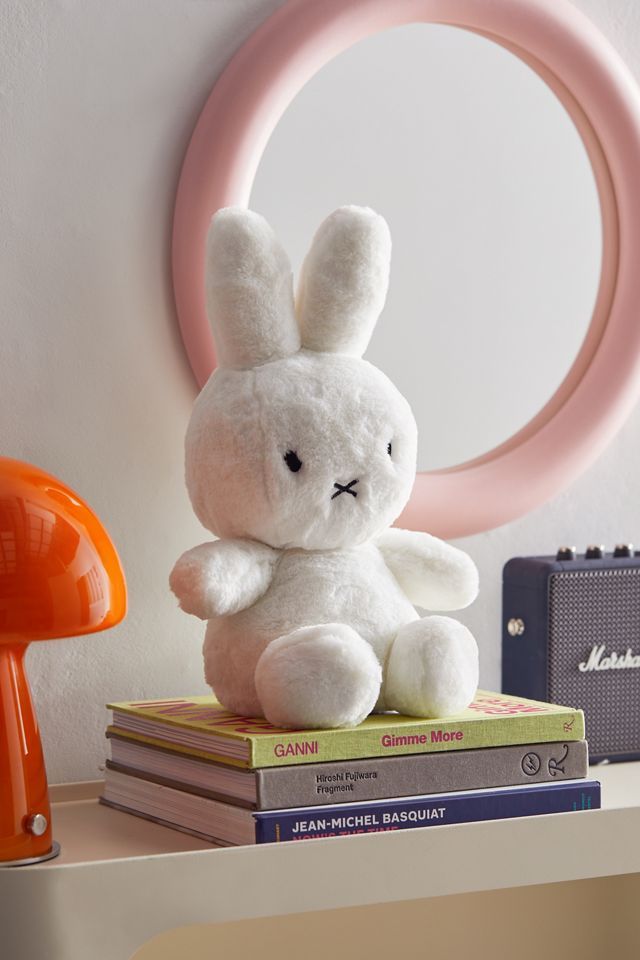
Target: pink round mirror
(597,92)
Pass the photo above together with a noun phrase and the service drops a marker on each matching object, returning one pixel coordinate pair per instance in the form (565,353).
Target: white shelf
(120,880)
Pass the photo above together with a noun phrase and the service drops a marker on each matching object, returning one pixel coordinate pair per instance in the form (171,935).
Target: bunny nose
(345,488)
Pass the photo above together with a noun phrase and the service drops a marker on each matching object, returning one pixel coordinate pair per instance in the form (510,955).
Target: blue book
(409,812)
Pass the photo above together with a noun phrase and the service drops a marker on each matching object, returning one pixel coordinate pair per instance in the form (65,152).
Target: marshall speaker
(571,635)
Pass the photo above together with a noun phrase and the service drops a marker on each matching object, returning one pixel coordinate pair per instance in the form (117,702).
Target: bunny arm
(222,577)
(433,574)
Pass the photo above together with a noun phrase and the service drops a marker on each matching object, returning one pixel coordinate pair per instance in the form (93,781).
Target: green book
(200,727)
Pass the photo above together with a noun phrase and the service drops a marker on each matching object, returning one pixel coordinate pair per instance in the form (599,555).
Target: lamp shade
(60,576)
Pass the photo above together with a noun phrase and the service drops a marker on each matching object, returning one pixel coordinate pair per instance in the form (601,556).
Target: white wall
(96,104)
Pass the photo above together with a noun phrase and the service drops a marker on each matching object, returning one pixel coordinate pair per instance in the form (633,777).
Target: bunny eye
(293,461)
(389,449)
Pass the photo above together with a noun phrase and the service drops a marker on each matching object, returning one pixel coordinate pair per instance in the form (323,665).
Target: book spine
(386,740)
(375,817)
(360,780)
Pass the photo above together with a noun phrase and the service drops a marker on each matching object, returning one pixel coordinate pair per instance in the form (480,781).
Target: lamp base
(28,861)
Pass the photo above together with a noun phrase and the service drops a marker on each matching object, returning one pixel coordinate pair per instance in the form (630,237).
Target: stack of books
(191,765)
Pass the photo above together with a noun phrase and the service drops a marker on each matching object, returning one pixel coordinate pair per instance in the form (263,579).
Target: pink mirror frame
(599,93)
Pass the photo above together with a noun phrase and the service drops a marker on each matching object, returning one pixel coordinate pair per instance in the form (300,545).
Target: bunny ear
(344,281)
(249,290)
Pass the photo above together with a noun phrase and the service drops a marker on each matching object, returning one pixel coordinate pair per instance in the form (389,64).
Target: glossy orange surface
(60,576)
(23,779)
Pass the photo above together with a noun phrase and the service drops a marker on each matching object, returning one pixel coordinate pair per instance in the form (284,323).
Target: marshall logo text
(612,661)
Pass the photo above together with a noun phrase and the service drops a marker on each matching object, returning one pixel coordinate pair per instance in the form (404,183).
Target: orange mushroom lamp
(60,576)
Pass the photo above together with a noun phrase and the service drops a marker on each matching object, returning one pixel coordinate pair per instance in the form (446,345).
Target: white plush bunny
(299,456)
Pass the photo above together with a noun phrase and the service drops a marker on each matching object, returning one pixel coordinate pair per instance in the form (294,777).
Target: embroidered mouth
(345,488)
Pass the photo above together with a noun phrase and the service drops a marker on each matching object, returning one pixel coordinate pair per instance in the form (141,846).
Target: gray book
(352,781)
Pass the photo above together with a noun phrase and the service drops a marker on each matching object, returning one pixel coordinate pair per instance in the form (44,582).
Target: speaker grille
(590,608)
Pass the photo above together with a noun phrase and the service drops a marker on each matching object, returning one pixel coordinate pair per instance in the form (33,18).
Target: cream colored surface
(587,919)
(121,881)
(93,832)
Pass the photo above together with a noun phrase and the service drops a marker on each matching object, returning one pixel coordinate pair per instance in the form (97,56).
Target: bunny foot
(320,676)
(432,669)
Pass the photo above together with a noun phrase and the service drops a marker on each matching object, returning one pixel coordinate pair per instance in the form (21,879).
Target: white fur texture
(317,677)
(249,291)
(432,670)
(433,574)
(338,415)
(344,280)
(300,459)
(216,579)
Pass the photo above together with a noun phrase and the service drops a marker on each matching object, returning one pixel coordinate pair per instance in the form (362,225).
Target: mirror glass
(494,216)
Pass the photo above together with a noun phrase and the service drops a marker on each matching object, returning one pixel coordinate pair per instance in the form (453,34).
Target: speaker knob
(594,552)
(566,553)
(623,550)
(37,824)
